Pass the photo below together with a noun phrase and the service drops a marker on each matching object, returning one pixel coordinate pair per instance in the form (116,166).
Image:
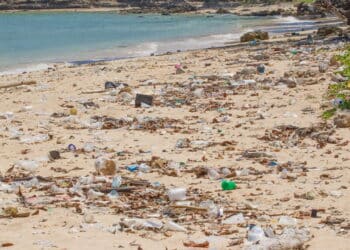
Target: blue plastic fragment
(133,168)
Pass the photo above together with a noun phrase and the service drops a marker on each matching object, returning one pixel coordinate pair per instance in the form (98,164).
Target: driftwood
(189,207)
(18,84)
(94,91)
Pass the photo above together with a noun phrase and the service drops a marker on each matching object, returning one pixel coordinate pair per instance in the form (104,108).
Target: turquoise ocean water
(33,40)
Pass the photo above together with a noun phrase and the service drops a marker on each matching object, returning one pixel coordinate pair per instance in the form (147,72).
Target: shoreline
(277,27)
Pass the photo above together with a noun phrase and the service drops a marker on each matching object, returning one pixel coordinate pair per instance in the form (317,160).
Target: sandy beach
(215,117)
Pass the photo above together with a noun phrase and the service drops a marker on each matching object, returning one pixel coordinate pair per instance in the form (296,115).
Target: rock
(222,11)
(268,12)
(146,99)
(54,155)
(342,120)
(343,6)
(290,82)
(255,35)
(304,9)
(329,30)
(176,6)
(347,15)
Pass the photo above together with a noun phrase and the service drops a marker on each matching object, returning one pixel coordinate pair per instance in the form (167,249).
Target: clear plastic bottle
(177,194)
(144,168)
(117,181)
(27,165)
(172,226)
(34,139)
(255,233)
(213,174)
(89,147)
(92,194)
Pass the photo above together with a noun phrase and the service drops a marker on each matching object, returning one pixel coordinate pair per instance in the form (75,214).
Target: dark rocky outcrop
(268,12)
(304,9)
(255,35)
(329,30)
(146,5)
(222,11)
(339,7)
(45,4)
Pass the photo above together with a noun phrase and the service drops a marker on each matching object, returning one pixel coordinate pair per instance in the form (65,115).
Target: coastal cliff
(65,4)
(180,6)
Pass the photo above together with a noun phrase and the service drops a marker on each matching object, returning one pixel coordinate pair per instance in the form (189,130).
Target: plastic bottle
(34,139)
(287,221)
(255,233)
(86,180)
(113,194)
(92,194)
(284,174)
(6,188)
(57,190)
(199,144)
(7,115)
(214,211)
(15,133)
(273,163)
(177,194)
(144,168)
(27,165)
(76,189)
(213,174)
(235,219)
(228,185)
(34,182)
(89,147)
(116,182)
(225,171)
(172,226)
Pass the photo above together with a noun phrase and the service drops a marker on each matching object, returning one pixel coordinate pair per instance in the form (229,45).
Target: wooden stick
(120,189)
(94,91)
(18,84)
(189,207)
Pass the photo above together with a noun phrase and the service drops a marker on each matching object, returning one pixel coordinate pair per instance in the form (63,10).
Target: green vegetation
(345,60)
(328,113)
(340,92)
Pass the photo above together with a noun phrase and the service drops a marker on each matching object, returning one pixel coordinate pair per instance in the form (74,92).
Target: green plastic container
(228,185)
